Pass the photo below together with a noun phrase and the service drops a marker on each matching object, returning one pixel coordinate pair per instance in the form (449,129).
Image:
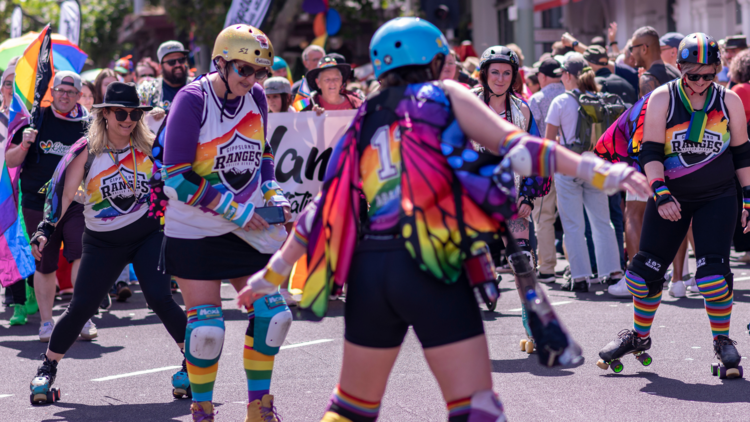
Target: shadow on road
(121,412)
(730,391)
(530,365)
(80,350)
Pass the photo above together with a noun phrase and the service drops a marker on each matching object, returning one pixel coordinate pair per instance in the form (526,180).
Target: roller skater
(694,143)
(408,149)
(218,171)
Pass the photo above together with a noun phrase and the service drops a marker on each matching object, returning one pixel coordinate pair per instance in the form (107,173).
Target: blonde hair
(688,67)
(97,134)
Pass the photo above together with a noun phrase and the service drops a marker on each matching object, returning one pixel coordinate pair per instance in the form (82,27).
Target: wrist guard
(746,198)
(661,192)
(602,174)
(45,229)
(239,214)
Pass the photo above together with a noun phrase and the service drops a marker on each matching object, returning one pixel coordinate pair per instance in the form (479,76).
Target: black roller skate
(627,341)
(181,383)
(729,359)
(41,391)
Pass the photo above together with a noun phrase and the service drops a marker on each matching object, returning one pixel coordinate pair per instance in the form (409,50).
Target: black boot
(726,352)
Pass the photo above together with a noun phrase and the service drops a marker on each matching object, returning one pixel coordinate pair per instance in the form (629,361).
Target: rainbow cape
(443,181)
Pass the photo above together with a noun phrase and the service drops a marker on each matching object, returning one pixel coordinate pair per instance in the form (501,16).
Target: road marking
(742,278)
(553,304)
(132,374)
(307,343)
(2,396)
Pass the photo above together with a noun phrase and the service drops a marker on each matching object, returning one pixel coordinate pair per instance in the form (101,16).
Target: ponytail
(587,80)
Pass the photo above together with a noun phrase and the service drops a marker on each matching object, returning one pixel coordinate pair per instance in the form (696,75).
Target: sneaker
(288,297)
(619,289)
(45,331)
(19,315)
(545,278)
(89,331)
(677,289)
(668,275)
(123,291)
(562,273)
(32,306)
(577,285)
(690,283)
(106,303)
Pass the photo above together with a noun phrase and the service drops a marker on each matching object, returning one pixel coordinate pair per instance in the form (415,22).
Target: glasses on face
(634,46)
(122,115)
(247,71)
(146,75)
(693,77)
(7,84)
(174,62)
(331,80)
(66,92)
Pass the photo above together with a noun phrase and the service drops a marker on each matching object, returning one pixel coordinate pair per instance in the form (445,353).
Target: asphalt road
(124,375)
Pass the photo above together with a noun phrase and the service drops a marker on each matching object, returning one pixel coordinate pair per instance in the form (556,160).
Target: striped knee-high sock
(258,367)
(352,408)
(458,410)
(643,313)
(719,315)
(202,373)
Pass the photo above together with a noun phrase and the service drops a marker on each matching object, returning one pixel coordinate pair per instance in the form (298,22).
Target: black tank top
(698,171)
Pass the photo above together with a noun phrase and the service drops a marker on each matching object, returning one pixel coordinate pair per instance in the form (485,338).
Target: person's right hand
(256,223)
(37,250)
(29,137)
(157,113)
(257,286)
(318,110)
(671,210)
(612,31)
(637,184)
(567,39)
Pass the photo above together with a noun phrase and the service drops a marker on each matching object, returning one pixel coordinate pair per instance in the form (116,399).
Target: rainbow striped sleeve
(189,187)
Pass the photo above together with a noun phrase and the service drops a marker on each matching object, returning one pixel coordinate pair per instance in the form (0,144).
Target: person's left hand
(568,39)
(257,286)
(612,31)
(524,210)
(157,113)
(318,110)
(637,184)
(256,223)
(744,222)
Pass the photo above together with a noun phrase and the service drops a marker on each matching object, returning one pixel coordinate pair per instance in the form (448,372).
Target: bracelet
(21,145)
(612,43)
(746,198)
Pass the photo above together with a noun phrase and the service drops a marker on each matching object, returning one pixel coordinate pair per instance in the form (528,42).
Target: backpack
(622,141)
(596,113)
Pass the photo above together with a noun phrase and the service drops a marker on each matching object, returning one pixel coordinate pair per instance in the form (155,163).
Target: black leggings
(713,227)
(105,254)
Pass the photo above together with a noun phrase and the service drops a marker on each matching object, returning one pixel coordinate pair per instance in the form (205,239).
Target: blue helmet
(405,42)
(278,63)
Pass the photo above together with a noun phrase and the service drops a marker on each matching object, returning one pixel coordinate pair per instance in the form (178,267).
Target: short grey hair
(310,48)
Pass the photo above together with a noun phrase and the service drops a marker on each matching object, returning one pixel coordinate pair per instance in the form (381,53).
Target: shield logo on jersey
(119,194)
(237,161)
(692,153)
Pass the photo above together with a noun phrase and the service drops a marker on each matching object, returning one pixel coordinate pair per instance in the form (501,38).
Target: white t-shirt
(563,113)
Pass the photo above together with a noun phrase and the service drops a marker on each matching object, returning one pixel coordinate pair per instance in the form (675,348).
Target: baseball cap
(550,68)
(596,54)
(277,85)
(59,76)
(574,63)
(671,39)
(736,41)
(169,47)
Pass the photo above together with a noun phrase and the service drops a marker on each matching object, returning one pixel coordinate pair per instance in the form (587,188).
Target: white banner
(302,144)
(16,22)
(70,21)
(250,12)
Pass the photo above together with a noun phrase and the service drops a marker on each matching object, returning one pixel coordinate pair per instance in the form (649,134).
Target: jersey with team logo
(698,171)
(117,190)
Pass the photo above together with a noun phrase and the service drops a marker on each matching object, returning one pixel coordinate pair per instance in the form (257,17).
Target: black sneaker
(578,285)
(123,291)
(545,278)
(562,273)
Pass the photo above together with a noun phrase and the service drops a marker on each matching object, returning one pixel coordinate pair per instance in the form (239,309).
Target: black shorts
(68,234)
(387,292)
(212,258)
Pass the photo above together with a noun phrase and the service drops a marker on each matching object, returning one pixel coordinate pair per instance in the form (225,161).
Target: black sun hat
(121,94)
(325,63)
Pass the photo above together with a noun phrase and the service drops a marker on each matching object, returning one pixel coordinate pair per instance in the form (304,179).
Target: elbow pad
(651,151)
(530,155)
(741,155)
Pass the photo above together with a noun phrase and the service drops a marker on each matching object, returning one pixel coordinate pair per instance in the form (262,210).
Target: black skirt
(212,258)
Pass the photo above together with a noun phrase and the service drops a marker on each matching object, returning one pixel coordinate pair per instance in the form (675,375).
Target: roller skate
(729,359)
(262,410)
(41,391)
(527,344)
(202,411)
(181,383)
(627,341)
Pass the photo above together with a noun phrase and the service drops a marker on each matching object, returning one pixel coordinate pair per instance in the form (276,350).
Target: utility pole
(524,29)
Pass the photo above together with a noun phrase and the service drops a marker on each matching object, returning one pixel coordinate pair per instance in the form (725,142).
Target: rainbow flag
(67,56)
(302,99)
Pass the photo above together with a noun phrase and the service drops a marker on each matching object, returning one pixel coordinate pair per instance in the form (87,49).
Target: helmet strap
(692,91)
(225,78)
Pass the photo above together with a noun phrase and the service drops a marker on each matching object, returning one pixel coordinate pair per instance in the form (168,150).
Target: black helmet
(699,48)
(499,54)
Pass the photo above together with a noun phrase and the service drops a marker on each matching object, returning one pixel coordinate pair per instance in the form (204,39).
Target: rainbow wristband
(662,194)
(746,198)
(511,140)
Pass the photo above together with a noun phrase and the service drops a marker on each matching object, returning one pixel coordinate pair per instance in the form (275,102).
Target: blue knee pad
(271,323)
(204,337)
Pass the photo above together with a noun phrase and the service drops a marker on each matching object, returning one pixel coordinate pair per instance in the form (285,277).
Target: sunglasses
(174,62)
(708,77)
(122,115)
(634,46)
(248,71)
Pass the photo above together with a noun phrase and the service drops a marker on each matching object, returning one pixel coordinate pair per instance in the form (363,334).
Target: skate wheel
(529,347)
(602,364)
(645,359)
(616,366)
(523,345)
(179,393)
(38,398)
(58,393)
(731,373)
(742,373)
(50,396)
(715,369)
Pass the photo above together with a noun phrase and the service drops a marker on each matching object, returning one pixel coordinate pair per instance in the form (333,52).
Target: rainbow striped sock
(258,369)
(354,409)
(458,410)
(643,315)
(202,373)
(719,315)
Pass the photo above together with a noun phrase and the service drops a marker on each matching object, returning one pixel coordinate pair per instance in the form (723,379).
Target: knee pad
(645,276)
(712,284)
(204,337)
(270,324)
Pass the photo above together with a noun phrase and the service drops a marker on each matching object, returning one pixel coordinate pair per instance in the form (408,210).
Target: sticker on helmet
(262,61)
(377,63)
(387,59)
(226,52)
(439,42)
(685,53)
(262,40)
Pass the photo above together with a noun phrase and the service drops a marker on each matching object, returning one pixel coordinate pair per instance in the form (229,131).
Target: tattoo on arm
(646,84)
(517,225)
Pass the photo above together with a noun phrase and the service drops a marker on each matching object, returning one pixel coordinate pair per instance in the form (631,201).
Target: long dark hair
(286,101)
(486,92)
